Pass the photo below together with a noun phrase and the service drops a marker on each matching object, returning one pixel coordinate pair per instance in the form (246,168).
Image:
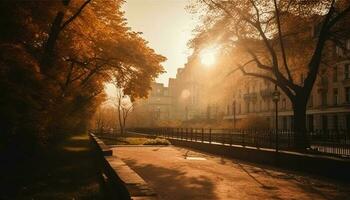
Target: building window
(284,104)
(310,102)
(234,107)
(323,98)
(310,122)
(335,122)
(284,122)
(228,109)
(158,112)
(324,122)
(339,51)
(347,94)
(335,74)
(348,44)
(335,96)
(347,71)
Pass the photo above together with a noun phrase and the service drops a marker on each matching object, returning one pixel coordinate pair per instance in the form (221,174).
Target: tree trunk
(120,121)
(301,141)
(120,116)
(51,41)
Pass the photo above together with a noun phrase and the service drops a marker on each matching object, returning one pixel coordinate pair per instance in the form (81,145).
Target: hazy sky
(166,25)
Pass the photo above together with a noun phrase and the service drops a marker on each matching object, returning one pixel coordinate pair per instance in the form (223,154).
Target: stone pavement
(179,174)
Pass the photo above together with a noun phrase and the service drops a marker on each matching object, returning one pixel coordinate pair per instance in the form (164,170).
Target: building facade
(328,106)
(155,108)
(202,94)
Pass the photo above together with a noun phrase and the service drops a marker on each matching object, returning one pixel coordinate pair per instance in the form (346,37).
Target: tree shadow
(319,186)
(262,185)
(174,184)
(308,184)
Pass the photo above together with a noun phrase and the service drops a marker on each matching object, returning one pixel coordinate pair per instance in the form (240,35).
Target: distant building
(201,94)
(158,104)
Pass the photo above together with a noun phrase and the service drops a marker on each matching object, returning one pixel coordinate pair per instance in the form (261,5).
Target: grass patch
(63,171)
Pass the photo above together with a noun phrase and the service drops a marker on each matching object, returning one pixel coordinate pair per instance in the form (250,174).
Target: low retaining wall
(314,164)
(118,180)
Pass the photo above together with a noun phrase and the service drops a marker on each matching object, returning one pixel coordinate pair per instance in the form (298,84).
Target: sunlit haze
(166,25)
(250,90)
(208,56)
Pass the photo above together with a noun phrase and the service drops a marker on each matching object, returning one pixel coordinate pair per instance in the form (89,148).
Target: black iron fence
(323,141)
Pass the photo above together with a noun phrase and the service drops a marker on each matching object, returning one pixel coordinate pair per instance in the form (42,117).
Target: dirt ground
(178,173)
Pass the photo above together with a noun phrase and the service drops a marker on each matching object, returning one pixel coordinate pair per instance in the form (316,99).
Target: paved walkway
(177,173)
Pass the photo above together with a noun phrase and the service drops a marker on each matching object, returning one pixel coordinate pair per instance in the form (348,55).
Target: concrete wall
(118,180)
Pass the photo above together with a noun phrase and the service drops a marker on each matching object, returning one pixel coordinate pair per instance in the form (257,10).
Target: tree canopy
(56,56)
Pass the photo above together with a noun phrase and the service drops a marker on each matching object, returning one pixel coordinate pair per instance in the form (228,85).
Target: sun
(208,56)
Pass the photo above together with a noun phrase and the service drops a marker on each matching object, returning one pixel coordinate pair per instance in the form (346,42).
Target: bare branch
(338,17)
(316,57)
(76,14)
(281,42)
(285,89)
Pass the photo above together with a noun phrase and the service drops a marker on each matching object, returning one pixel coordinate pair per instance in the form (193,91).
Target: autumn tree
(56,56)
(272,38)
(123,106)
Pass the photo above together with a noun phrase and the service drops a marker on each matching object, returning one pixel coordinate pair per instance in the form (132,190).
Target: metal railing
(333,142)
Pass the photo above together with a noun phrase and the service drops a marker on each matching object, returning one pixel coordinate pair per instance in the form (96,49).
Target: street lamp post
(276,98)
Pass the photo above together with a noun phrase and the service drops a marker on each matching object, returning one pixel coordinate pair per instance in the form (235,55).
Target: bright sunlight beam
(208,56)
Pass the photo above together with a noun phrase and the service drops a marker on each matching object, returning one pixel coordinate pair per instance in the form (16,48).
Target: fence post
(223,137)
(277,145)
(191,134)
(194,135)
(256,138)
(243,138)
(289,133)
(202,135)
(210,136)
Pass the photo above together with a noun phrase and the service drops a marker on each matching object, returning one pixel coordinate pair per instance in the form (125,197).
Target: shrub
(157,141)
(253,122)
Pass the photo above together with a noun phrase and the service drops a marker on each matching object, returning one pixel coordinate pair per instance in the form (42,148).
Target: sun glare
(208,56)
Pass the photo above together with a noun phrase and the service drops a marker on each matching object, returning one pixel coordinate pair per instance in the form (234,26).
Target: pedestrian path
(178,173)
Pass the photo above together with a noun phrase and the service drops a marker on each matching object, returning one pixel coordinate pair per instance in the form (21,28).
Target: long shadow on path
(174,184)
